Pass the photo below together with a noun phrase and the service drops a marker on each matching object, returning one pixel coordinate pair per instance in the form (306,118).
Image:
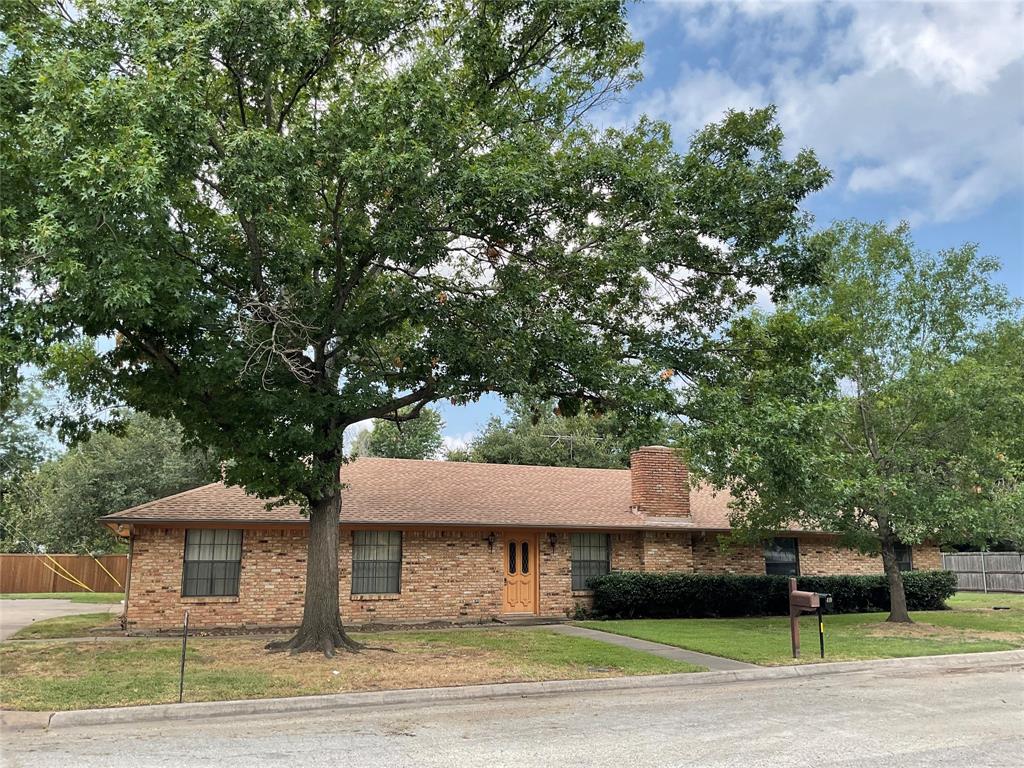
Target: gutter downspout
(128,576)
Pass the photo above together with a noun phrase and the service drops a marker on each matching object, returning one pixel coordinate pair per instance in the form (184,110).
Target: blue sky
(918,110)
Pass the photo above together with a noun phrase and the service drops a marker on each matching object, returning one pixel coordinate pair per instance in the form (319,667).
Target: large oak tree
(294,215)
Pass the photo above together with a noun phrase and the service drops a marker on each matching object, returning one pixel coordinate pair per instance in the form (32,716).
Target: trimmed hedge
(629,595)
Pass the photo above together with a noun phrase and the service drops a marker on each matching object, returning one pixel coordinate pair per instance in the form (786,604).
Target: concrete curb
(967,662)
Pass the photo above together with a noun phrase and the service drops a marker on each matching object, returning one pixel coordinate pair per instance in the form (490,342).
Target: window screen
(904,557)
(213,560)
(376,562)
(782,557)
(589,558)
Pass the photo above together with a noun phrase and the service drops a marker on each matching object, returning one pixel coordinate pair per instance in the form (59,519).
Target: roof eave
(177,521)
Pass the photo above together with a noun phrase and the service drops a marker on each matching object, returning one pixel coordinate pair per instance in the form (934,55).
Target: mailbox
(803,601)
(806,602)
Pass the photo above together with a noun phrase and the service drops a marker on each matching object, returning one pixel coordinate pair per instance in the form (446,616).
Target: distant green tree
(540,435)
(60,503)
(885,405)
(22,449)
(419,438)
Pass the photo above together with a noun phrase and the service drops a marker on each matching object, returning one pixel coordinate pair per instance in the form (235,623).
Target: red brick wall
(819,556)
(927,557)
(659,482)
(556,596)
(627,551)
(709,556)
(271,582)
(667,551)
(447,574)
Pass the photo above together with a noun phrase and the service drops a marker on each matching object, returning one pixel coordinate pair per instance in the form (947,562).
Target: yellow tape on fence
(70,576)
(112,576)
(72,579)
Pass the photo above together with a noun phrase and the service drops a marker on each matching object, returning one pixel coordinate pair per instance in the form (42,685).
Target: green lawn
(68,675)
(66,626)
(971,626)
(74,597)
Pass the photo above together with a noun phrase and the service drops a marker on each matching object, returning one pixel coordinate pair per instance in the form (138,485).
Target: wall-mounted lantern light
(552,540)
(491,538)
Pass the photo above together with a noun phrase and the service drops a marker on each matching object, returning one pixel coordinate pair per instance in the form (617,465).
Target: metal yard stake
(821,632)
(184,646)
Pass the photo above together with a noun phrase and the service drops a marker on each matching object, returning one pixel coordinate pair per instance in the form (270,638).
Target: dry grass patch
(67,675)
(924,631)
(408,664)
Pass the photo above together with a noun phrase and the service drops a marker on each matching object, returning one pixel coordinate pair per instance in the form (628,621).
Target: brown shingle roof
(408,492)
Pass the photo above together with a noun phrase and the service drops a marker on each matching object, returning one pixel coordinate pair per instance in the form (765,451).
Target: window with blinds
(782,557)
(213,562)
(590,558)
(376,562)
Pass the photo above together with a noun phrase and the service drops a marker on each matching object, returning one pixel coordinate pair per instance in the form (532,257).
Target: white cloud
(962,45)
(916,100)
(458,442)
(354,429)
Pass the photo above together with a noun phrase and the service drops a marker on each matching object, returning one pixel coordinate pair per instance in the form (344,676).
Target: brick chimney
(660,482)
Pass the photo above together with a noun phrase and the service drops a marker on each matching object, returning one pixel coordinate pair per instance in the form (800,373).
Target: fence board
(986,571)
(29,573)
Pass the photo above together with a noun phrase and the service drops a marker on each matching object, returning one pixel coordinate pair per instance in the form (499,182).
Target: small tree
(417,439)
(295,215)
(884,405)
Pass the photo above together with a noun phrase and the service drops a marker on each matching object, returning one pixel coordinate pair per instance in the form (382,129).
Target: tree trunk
(321,628)
(897,594)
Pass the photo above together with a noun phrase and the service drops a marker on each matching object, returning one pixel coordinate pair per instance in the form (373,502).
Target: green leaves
(877,403)
(296,215)
(547,434)
(418,438)
(57,504)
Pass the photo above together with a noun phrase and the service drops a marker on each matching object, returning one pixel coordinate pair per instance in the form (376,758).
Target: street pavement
(889,717)
(15,614)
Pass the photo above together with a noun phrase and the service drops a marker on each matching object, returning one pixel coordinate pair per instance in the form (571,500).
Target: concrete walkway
(16,614)
(713,663)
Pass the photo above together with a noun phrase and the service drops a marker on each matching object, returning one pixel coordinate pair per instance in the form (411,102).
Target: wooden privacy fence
(36,573)
(986,571)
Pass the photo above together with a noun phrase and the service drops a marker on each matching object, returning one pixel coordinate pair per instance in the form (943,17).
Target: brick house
(459,542)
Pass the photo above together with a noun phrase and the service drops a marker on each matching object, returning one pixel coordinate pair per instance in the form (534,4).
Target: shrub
(695,595)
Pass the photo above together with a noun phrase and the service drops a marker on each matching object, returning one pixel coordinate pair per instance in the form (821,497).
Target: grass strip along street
(971,625)
(76,675)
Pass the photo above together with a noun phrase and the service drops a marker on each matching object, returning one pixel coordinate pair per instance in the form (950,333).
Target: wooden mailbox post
(800,602)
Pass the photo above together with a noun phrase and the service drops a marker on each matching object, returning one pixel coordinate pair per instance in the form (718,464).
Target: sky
(917,109)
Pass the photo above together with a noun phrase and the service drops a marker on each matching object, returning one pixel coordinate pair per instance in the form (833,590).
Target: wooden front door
(520,574)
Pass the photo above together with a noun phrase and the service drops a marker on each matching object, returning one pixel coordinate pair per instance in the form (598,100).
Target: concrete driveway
(15,614)
(882,718)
